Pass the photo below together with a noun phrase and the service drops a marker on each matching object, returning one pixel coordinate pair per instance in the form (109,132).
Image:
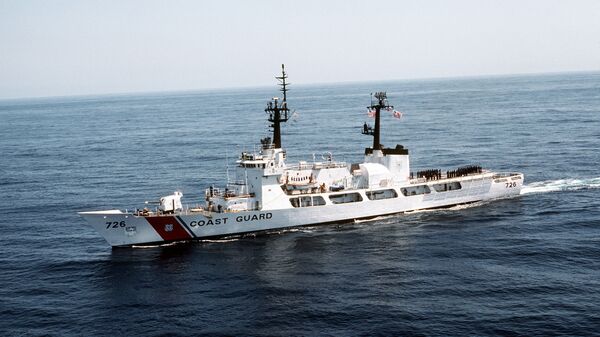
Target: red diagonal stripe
(161,226)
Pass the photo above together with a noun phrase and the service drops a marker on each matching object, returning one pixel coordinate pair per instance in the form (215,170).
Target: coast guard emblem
(168,228)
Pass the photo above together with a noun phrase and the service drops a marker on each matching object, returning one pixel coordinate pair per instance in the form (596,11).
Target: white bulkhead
(375,175)
(397,164)
(171,203)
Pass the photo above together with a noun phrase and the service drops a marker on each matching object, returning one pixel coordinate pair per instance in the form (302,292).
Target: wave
(142,246)
(221,240)
(377,218)
(561,185)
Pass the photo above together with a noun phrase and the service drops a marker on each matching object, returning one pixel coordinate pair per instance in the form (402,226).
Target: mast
(282,81)
(278,111)
(381,103)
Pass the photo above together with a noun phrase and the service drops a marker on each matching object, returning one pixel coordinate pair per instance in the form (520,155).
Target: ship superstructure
(268,193)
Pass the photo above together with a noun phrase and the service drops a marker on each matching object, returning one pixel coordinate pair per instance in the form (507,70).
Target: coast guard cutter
(269,193)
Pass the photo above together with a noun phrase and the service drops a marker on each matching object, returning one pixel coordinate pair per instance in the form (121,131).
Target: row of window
(382,194)
(415,190)
(307,201)
(453,186)
(344,198)
(253,165)
(424,189)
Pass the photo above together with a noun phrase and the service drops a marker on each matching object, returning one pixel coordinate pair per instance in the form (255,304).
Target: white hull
(126,229)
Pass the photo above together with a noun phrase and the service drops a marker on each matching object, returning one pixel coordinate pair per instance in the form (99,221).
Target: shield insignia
(168,228)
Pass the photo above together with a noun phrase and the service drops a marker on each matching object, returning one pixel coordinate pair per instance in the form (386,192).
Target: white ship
(270,194)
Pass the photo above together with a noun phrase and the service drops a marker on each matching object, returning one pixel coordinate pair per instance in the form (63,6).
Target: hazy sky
(50,48)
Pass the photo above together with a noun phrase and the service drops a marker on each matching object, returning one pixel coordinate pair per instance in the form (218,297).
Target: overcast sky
(50,48)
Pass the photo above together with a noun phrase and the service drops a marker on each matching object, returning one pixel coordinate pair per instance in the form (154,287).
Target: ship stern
(121,229)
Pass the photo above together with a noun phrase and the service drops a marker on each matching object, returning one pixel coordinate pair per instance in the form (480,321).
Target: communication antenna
(381,103)
(278,110)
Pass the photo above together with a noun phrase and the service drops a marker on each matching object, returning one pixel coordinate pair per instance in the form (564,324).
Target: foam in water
(221,240)
(155,246)
(561,185)
(383,217)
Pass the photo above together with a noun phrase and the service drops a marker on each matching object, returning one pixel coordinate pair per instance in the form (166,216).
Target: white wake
(560,185)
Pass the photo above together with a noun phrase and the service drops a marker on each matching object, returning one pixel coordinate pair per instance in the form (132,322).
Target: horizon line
(208,89)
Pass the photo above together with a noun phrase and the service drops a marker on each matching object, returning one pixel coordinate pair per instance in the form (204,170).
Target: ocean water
(529,265)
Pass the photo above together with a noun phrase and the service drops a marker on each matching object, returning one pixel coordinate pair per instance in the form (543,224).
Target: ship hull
(127,229)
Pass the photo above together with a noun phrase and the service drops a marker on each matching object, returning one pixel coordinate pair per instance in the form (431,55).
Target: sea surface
(526,266)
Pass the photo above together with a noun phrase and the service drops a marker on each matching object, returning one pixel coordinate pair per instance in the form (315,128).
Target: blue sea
(527,266)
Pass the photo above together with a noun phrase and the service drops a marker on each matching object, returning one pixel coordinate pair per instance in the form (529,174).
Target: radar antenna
(278,110)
